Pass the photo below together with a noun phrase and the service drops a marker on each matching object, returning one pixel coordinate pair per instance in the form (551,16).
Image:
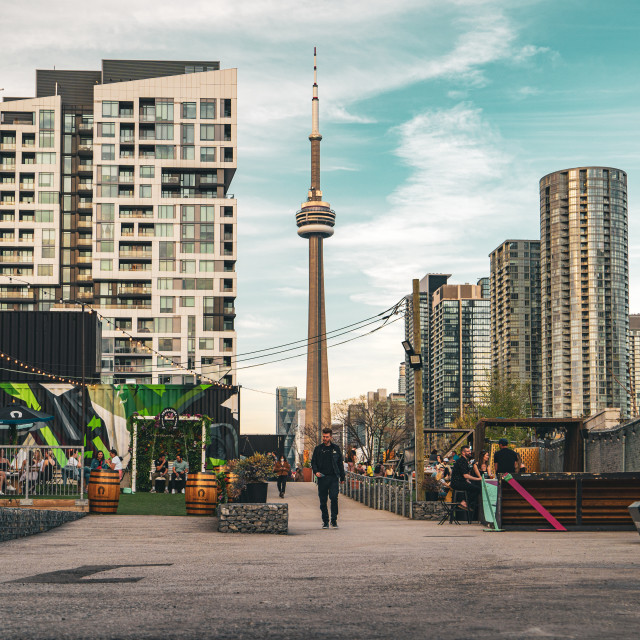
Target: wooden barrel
(104,491)
(201,494)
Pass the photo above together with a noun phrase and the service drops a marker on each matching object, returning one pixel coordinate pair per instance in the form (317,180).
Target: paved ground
(378,576)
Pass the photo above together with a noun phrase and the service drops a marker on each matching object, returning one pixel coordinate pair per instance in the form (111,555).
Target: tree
(374,426)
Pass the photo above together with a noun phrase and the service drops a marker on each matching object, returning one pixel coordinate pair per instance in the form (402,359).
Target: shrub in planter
(248,471)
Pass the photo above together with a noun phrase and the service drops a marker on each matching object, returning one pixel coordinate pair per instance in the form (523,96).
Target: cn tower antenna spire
(315,222)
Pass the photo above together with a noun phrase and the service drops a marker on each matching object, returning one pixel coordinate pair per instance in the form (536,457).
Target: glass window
(147,171)
(105,211)
(207,213)
(166,304)
(106,265)
(207,247)
(48,197)
(105,246)
(164,283)
(188,213)
(107,129)
(165,151)
(187,301)
(45,269)
(145,190)
(164,230)
(45,157)
(187,266)
(188,247)
(46,139)
(47,119)
(164,132)
(109,109)
(188,134)
(108,151)
(226,108)
(188,231)
(166,249)
(207,266)
(167,265)
(207,154)
(45,180)
(188,152)
(208,109)
(206,232)
(166,211)
(207,132)
(164,111)
(188,109)
(44,216)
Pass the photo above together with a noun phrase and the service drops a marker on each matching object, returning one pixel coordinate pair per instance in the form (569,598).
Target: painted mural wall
(107,408)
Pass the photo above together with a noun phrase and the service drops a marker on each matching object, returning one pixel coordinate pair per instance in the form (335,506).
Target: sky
(438,120)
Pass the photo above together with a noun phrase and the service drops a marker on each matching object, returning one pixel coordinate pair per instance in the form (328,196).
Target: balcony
(138,255)
(85,206)
(134,267)
(85,148)
(7,146)
(16,258)
(128,349)
(17,295)
(83,260)
(84,278)
(85,126)
(134,290)
(7,202)
(84,294)
(133,369)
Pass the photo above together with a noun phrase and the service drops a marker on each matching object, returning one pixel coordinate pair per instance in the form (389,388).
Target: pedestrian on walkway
(282,469)
(327,465)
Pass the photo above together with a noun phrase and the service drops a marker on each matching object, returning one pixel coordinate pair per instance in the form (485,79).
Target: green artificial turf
(151,504)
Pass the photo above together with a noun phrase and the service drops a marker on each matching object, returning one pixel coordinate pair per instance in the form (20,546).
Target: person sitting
(179,475)
(481,466)
(48,468)
(71,470)
(162,469)
(115,463)
(98,463)
(5,471)
(462,479)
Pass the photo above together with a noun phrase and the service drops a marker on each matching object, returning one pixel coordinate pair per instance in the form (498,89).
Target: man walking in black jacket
(328,468)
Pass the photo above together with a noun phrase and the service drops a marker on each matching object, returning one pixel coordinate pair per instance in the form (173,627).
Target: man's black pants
(328,486)
(473,490)
(282,484)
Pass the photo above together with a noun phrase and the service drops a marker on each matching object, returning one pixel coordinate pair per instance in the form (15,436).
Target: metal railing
(387,494)
(28,472)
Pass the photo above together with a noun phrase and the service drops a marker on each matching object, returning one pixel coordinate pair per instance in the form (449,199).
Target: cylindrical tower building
(584,291)
(315,221)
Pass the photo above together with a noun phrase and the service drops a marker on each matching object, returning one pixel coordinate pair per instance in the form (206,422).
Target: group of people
(177,478)
(38,468)
(467,473)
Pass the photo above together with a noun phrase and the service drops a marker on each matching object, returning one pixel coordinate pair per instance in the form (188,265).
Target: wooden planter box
(580,501)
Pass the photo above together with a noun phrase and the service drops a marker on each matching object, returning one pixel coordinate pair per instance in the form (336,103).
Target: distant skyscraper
(402,378)
(485,285)
(288,407)
(428,286)
(315,221)
(585,291)
(461,349)
(516,348)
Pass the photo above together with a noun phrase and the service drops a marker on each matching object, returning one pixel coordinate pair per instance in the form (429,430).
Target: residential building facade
(634,362)
(428,285)
(114,193)
(461,350)
(516,348)
(584,291)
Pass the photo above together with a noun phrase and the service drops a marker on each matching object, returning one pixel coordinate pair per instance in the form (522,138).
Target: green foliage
(255,468)
(505,397)
(153,439)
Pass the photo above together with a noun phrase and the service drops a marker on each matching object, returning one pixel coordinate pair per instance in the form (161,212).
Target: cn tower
(315,221)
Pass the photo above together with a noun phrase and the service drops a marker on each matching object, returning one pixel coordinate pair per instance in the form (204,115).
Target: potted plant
(307,473)
(250,481)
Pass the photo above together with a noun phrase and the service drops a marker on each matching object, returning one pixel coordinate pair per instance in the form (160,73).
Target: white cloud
(461,194)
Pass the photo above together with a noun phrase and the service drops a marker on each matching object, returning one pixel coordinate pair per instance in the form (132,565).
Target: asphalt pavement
(378,576)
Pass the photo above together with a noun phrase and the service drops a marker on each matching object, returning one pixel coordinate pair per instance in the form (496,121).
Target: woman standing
(282,470)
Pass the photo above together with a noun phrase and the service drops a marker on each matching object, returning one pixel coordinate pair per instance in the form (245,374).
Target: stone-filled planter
(430,510)
(254,492)
(253,518)
(17,523)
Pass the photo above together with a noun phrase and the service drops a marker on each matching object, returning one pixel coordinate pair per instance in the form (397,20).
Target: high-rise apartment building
(114,192)
(485,286)
(634,361)
(288,407)
(461,349)
(516,348)
(428,286)
(402,378)
(584,291)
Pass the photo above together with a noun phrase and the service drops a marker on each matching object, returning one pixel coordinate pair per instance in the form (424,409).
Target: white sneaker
(166,490)
(173,490)
(152,491)
(183,491)
(1,493)
(10,487)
